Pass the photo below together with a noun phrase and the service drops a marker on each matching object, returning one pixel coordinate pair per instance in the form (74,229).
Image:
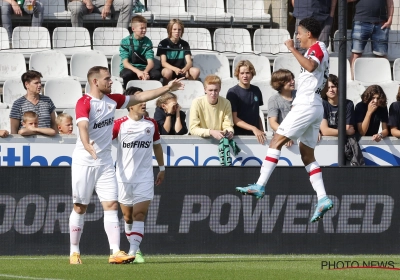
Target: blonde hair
(61,117)
(138,19)
(29,115)
(164,98)
(171,24)
(212,80)
(246,63)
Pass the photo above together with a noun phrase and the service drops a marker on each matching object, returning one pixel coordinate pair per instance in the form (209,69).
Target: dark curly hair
(312,25)
(369,93)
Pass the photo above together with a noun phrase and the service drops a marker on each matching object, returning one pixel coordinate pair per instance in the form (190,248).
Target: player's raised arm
(152,94)
(307,63)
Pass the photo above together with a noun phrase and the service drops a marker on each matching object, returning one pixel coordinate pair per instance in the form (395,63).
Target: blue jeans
(363,31)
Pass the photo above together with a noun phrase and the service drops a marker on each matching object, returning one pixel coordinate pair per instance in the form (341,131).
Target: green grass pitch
(197,267)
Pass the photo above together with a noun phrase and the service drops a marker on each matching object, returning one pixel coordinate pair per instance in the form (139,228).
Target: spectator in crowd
(329,124)
(371,113)
(372,20)
(176,58)
(280,104)
(4,133)
(10,7)
(211,114)
(65,123)
(30,122)
(321,10)
(106,8)
(170,119)
(394,116)
(33,101)
(136,52)
(246,100)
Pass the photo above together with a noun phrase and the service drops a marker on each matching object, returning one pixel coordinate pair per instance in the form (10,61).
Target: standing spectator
(33,101)
(371,113)
(64,123)
(170,119)
(211,114)
(30,121)
(329,124)
(279,105)
(372,20)
(176,58)
(10,7)
(394,116)
(79,8)
(136,52)
(321,10)
(246,100)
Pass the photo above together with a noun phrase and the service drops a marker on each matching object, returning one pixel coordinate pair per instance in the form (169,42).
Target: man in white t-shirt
(92,166)
(303,121)
(138,137)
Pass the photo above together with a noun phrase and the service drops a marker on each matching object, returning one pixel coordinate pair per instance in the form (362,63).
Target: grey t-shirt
(279,107)
(371,11)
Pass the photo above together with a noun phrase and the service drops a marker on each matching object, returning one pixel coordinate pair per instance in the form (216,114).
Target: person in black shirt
(371,112)
(176,58)
(394,116)
(169,117)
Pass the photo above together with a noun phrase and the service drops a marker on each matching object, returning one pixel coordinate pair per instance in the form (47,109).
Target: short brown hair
(165,97)
(212,80)
(62,116)
(369,93)
(246,63)
(279,78)
(95,71)
(171,24)
(29,115)
(138,19)
(30,75)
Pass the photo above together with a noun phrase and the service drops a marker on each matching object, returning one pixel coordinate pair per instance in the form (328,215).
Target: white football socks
(315,173)
(111,226)
(269,164)
(135,236)
(76,222)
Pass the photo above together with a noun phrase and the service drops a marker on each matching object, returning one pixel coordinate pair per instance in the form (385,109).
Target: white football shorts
(86,179)
(302,123)
(130,194)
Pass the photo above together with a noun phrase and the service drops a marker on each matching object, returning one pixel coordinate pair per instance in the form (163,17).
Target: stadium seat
(115,62)
(119,113)
(145,85)
(168,9)
(267,91)
(12,90)
(151,112)
(366,76)
(5,119)
(193,89)
(199,39)
(270,41)
(232,41)
(63,92)
(116,87)
(29,39)
(260,63)
(334,67)
(250,12)
(12,65)
(108,39)
(55,9)
(354,91)
(396,70)
(210,63)
(4,42)
(367,50)
(70,40)
(394,45)
(289,62)
(156,35)
(51,64)
(81,62)
(209,11)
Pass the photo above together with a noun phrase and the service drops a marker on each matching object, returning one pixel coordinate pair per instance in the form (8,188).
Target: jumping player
(92,165)
(137,136)
(303,121)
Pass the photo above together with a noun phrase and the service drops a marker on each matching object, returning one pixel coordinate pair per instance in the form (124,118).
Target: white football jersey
(310,84)
(100,115)
(135,149)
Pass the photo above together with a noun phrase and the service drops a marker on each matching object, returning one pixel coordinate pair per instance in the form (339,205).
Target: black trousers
(128,75)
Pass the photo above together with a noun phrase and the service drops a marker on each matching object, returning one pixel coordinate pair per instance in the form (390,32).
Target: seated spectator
(136,52)
(4,133)
(176,58)
(371,113)
(65,123)
(10,7)
(394,116)
(211,114)
(280,104)
(168,115)
(33,101)
(30,121)
(329,124)
(79,8)
(246,100)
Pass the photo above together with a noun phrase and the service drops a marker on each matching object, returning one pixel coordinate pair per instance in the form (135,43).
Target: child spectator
(64,124)
(136,52)
(170,119)
(176,58)
(30,121)
(371,112)
(394,116)
(280,104)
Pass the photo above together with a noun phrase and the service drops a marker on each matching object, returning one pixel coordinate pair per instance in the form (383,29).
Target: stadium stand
(396,70)
(394,45)
(250,12)
(12,65)
(12,90)
(156,34)
(168,9)
(63,92)
(29,39)
(269,42)
(232,41)
(354,90)
(209,11)
(5,119)
(334,67)
(51,64)
(81,62)
(289,62)
(55,10)
(199,39)
(145,85)
(193,89)
(119,113)
(4,42)
(151,112)
(260,63)
(108,39)
(70,40)
(115,62)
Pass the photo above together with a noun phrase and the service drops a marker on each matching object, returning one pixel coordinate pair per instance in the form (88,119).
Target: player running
(303,121)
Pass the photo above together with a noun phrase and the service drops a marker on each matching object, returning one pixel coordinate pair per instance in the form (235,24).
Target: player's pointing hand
(176,84)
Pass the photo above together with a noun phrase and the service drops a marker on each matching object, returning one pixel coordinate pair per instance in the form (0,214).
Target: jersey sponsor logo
(104,123)
(136,144)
